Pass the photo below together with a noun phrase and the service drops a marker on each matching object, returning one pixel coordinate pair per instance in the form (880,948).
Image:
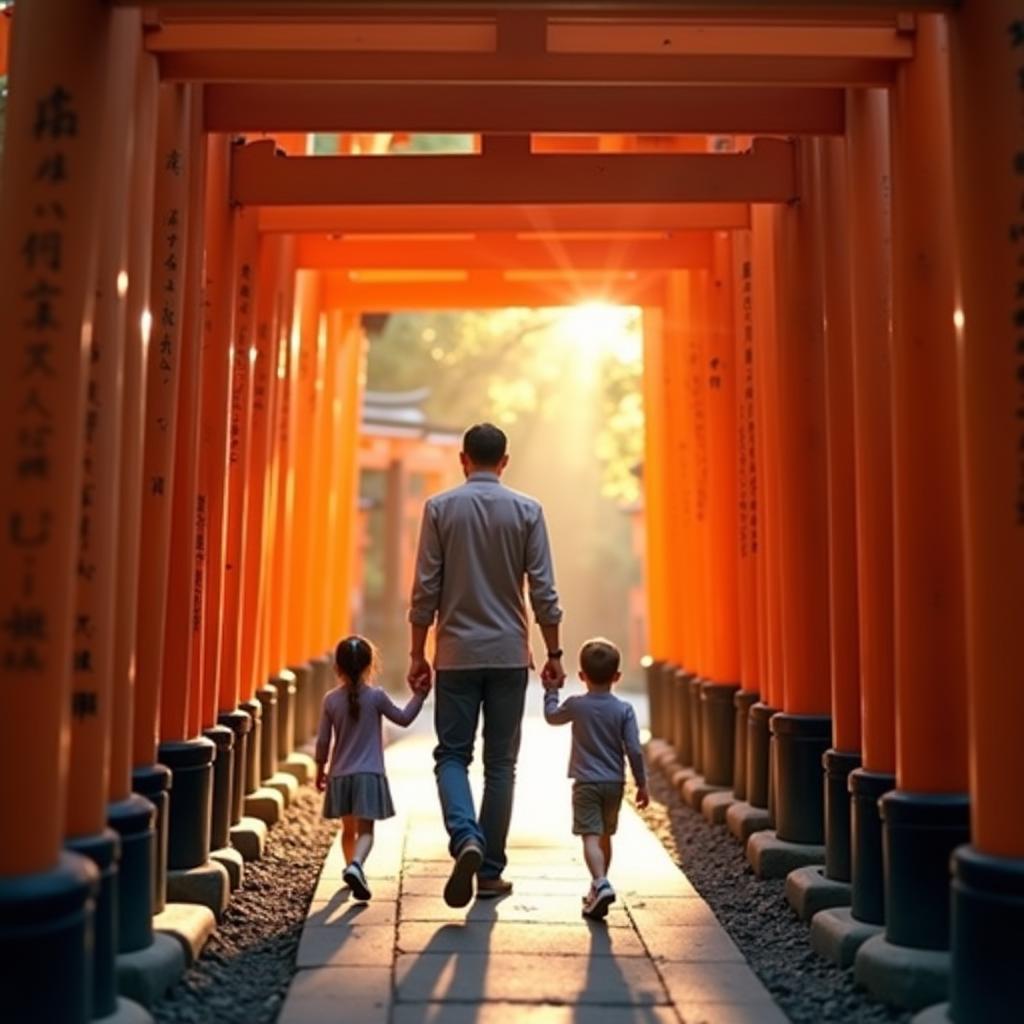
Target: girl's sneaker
(354,878)
(598,902)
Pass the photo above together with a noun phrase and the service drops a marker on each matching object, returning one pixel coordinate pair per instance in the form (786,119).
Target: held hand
(420,673)
(422,687)
(552,675)
(321,779)
(643,798)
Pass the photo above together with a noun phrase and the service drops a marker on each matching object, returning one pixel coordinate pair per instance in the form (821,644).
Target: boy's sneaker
(492,888)
(354,878)
(597,902)
(458,890)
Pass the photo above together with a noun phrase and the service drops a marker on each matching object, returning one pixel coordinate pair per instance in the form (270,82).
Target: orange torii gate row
(228,487)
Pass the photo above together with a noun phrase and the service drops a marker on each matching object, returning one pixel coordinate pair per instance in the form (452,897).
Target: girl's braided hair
(353,658)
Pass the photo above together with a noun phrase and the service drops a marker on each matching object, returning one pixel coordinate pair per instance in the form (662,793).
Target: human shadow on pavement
(452,967)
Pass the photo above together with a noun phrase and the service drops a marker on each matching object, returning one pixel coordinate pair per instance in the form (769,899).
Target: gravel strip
(809,988)
(246,967)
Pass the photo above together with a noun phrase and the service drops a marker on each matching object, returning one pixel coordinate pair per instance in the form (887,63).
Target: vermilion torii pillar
(926,816)
(93,652)
(802,730)
(60,52)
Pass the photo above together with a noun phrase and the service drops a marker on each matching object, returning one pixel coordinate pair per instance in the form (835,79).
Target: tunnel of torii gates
(819,209)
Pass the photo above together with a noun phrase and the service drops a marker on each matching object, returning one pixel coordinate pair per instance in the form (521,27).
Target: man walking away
(478,543)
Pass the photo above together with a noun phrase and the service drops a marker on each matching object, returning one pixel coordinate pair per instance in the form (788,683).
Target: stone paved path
(406,958)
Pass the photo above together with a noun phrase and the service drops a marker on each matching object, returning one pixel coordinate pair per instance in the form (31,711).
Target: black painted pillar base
(220,805)
(920,831)
(800,743)
(153,782)
(267,696)
(303,701)
(134,820)
(681,686)
(284,683)
(758,761)
(867,874)
(323,677)
(987,937)
(741,702)
(696,725)
(838,764)
(103,849)
(46,923)
(188,829)
(652,678)
(667,683)
(718,731)
(240,725)
(254,710)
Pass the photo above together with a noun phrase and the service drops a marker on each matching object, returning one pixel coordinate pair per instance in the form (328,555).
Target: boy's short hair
(485,444)
(599,660)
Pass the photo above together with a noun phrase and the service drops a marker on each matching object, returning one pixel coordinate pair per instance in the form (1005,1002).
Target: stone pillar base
(800,742)
(744,820)
(905,977)
(265,804)
(299,765)
(146,975)
(134,819)
(938,1014)
(697,788)
(188,924)
(809,890)
(285,783)
(233,863)
(206,884)
(125,1012)
(837,935)
(716,805)
(772,857)
(249,837)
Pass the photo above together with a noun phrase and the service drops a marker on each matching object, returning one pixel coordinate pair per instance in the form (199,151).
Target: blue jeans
(458,698)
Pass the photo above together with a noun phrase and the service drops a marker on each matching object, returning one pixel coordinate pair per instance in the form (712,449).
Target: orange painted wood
(442,107)
(133,398)
(988,140)
(181,692)
(765,344)
(749,522)
(308,309)
(655,470)
(871,258)
(262,176)
(802,469)
(163,374)
(252,670)
(243,281)
(525,217)
(214,419)
(723,460)
(931,667)
(92,687)
(834,220)
(504,251)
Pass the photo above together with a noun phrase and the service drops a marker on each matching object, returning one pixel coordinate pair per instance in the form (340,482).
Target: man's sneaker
(354,878)
(458,890)
(492,888)
(596,906)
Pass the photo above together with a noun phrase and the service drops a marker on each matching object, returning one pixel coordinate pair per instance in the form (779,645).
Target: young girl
(356,788)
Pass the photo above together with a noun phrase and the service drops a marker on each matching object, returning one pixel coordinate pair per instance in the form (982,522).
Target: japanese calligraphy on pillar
(746,423)
(1016,42)
(26,630)
(698,404)
(242,362)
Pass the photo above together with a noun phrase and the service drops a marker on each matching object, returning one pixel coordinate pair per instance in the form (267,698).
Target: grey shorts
(595,808)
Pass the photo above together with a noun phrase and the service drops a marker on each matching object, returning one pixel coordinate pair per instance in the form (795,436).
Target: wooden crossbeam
(491,290)
(447,218)
(504,251)
(260,176)
(500,107)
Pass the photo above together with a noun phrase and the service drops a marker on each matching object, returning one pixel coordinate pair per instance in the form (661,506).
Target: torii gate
(75,149)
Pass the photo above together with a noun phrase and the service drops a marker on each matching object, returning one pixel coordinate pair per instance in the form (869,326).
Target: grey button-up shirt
(478,544)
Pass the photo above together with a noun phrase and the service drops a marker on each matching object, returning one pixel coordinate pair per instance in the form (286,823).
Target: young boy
(603,729)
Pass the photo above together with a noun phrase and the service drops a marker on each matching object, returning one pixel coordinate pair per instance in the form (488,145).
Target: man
(478,542)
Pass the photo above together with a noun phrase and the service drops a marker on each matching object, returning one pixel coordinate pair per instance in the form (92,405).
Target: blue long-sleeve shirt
(604,730)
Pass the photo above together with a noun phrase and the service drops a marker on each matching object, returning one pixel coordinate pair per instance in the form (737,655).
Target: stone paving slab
(527,958)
